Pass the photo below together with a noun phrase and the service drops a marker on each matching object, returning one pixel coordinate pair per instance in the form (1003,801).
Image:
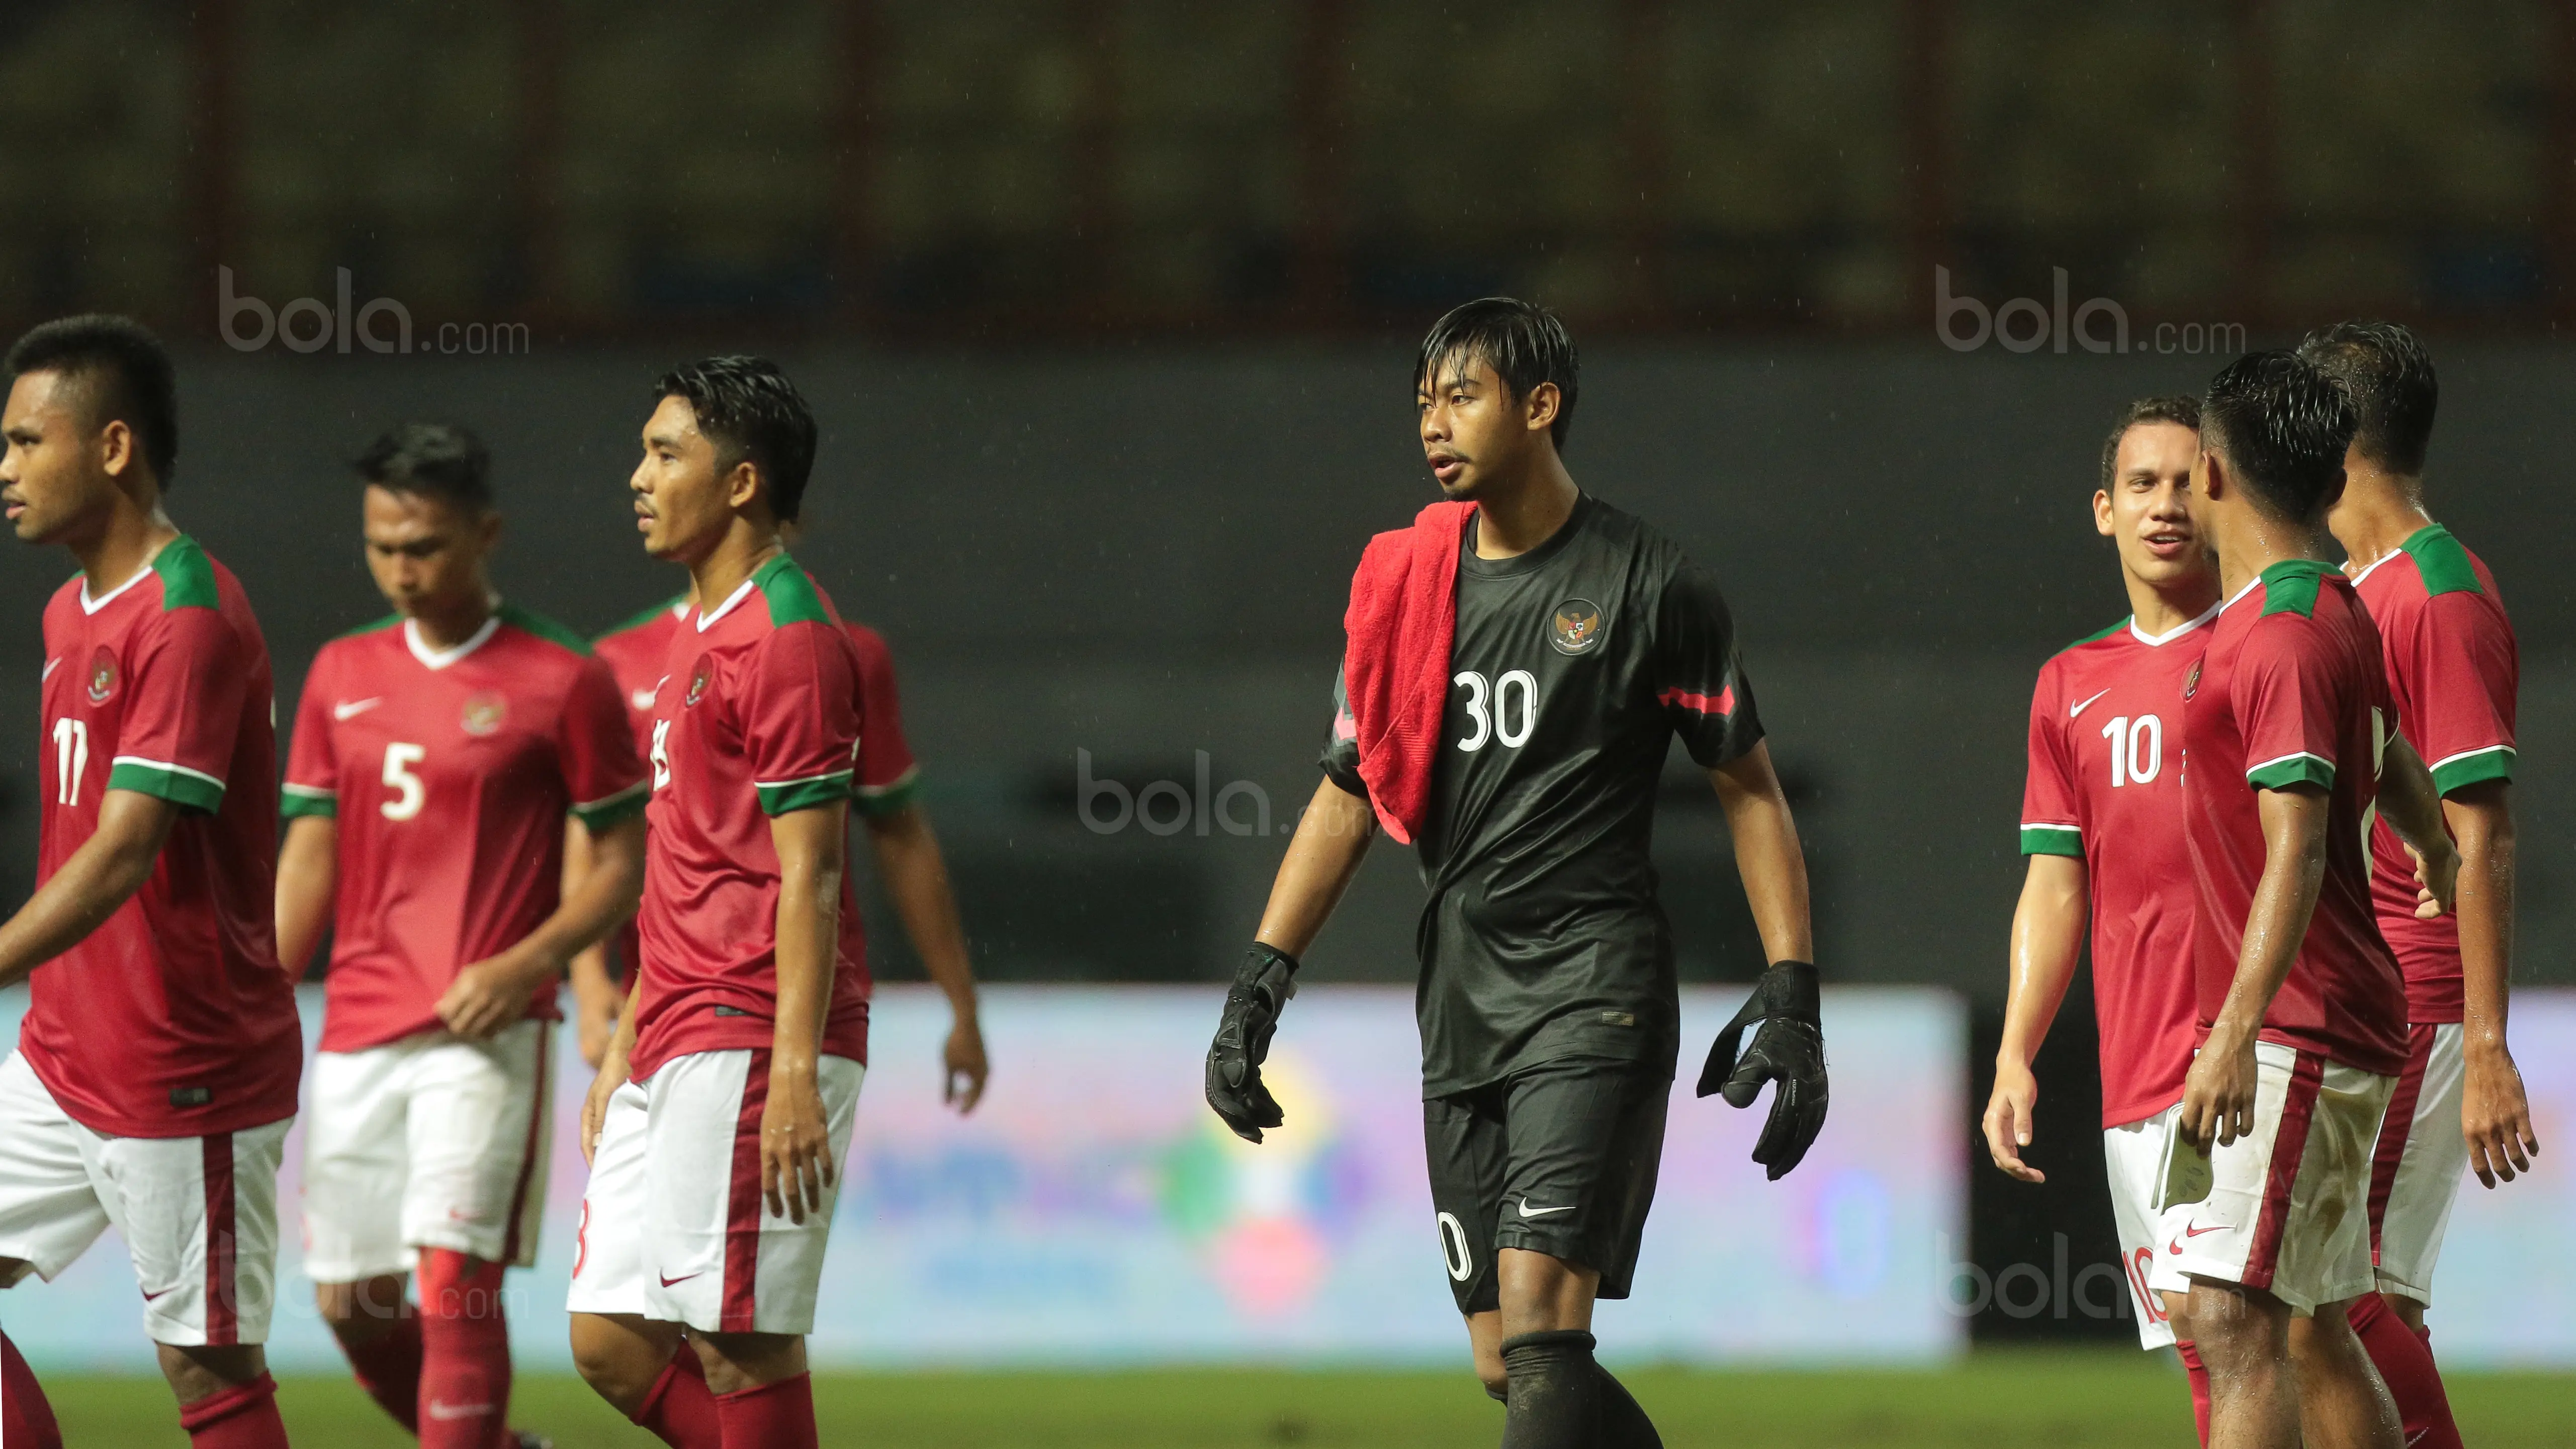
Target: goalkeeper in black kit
(1519,661)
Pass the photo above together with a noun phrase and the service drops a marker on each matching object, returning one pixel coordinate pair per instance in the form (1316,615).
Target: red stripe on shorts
(528,1155)
(223,1306)
(2289,1144)
(743,1206)
(2396,1127)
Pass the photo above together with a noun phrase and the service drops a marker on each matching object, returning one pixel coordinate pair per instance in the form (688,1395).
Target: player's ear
(116,452)
(1540,407)
(488,528)
(742,484)
(2102,512)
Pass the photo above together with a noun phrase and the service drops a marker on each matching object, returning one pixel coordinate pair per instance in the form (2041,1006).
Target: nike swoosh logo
(2079,709)
(49,670)
(148,1297)
(1530,1212)
(683,1278)
(351,709)
(643,698)
(446,1411)
(2175,1246)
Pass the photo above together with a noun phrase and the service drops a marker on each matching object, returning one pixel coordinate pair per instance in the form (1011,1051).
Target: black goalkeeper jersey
(1572,668)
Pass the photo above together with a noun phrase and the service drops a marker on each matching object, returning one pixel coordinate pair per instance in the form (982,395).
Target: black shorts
(1558,1159)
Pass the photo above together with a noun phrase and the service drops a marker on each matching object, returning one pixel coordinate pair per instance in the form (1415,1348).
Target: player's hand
(595,1016)
(1262,984)
(796,1167)
(2008,1117)
(492,994)
(1789,1050)
(2218,1092)
(2495,1115)
(964,1067)
(2437,881)
(594,1107)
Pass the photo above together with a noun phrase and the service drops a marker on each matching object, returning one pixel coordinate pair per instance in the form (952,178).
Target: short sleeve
(2052,814)
(1698,676)
(801,717)
(181,721)
(595,748)
(2461,659)
(2284,694)
(1341,756)
(312,762)
(887,774)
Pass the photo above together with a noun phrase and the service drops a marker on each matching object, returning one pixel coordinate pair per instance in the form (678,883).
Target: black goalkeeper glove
(1262,985)
(1789,1049)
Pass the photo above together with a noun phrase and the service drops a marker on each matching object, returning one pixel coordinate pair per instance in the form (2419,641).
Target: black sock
(1623,1425)
(1554,1388)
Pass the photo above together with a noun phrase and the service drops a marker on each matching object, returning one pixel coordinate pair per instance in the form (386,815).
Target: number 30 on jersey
(1504,710)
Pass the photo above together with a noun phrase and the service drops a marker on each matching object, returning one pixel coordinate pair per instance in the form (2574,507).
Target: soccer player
(437,755)
(2453,671)
(156,1069)
(2102,825)
(2302,1011)
(885,793)
(1518,665)
(724,1106)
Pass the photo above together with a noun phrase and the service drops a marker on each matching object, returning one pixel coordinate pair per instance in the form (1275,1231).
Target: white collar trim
(440,659)
(2375,563)
(2176,632)
(679,608)
(92,606)
(2251,585)
(707,620)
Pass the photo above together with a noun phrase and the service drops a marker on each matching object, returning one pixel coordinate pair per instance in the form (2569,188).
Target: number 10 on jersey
(2137,748)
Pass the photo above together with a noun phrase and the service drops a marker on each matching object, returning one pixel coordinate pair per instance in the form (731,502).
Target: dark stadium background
(1108,306)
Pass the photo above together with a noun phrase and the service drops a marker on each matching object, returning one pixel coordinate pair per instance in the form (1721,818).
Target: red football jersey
(2291,693)
(2105,785)
(172,1019)
(757,716)
(2453,670)
(633,651)
(450,774)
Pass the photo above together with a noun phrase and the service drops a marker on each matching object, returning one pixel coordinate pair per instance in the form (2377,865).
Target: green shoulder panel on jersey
(528,621)
(2098,635)
(642,617)
(378,627)
(791,596)
(187,575)
(2443,563)
(2290,587)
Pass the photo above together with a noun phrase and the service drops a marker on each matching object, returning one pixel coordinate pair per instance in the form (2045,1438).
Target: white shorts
(2285,1212)
(2415,1175)
(674,1226)
(2135,1154)
(198,1214)
(427,1142)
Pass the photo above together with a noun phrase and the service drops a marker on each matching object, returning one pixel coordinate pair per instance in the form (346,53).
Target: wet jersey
(1573,667)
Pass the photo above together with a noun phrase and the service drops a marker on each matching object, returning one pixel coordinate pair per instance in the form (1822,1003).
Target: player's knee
(618,1365)
(361,1310)
(196,1371)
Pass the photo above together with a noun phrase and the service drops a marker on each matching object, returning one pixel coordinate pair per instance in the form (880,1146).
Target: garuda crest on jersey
(102,675)
(1576,627)
(698,683)
(484,713)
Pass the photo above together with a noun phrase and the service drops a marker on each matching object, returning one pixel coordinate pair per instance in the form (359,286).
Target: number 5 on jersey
(409,792)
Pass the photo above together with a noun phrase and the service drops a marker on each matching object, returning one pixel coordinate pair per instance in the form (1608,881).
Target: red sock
(25,1416)
(2198,1373)
(241,1418)
(2406,1363)
(772,1416)
(388,1368)
(678,1408)
(465,1352)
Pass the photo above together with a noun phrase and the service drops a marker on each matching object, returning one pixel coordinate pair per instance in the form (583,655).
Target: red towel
(1395,668)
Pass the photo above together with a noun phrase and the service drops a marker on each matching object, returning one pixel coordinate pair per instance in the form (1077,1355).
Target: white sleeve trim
(2469,755)
(315,792)
(173,768)
(801,780)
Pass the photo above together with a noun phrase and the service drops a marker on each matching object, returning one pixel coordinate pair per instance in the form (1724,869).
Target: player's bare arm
(915,876)
(2413,808)
(493,993)
(1767,854)
(2047,935)
(100,877)
(308,883)
(795,1135)
(596,999)
(612,1071)
(1332,839)
(2495,1112)
(1789,1049)
(2218,1095)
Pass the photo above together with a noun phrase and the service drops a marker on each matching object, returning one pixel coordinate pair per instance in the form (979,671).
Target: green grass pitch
(2096,1399)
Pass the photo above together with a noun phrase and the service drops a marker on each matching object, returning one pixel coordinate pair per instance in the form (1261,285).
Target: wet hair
(2389,377)
(2283,426)
(123,373)
(1522,342)
(2143,412)
(434,460)
(752,413)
